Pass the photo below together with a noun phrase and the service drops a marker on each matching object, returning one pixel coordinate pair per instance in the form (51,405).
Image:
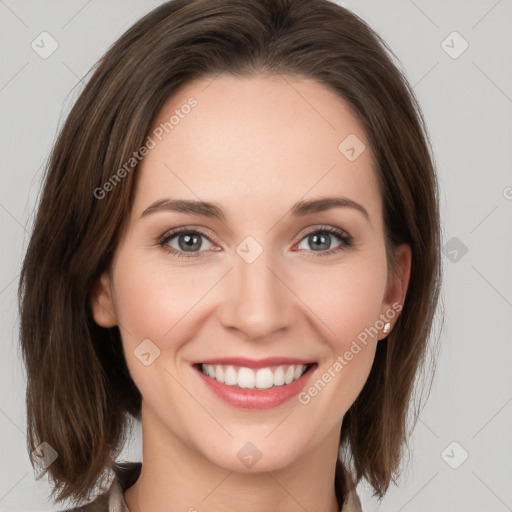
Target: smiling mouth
(243,377)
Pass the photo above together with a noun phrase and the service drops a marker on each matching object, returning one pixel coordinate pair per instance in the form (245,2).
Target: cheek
(152,298)
(347,301)
(154,301)
(346,298)
(159,304)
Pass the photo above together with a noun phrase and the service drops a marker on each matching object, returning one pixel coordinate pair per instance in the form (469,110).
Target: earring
(387,328)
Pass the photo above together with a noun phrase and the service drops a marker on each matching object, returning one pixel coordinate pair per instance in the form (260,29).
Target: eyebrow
(299,209)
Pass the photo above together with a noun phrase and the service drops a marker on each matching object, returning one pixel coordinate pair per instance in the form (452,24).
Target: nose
(256,298)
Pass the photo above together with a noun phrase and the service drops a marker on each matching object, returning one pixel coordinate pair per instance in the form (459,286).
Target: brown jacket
(127,473)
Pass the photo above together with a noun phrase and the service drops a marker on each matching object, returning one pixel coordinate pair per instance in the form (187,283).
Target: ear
(102,304)
(398,282)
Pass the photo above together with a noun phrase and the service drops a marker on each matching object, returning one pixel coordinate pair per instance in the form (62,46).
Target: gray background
(467,103)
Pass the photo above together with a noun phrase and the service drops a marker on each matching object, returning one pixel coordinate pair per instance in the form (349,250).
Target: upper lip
(254,363)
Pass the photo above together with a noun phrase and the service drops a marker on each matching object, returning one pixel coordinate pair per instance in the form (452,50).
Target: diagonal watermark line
(493,287)
(485,15)
(217,486)
(503,407)
(424,14)
(76,14)
(210,82)
(283,77)
(200,299)
(165,165)
(304,195)
(3,3)
(491,490)
(300,300)
(79,78)
(403,506)
(8,284)
(280,423)
(13,486)
(488,215)
(13,217)
(194,398)
(285,490)
(428,72)
(14,76)
(492,81)
(22,431)
(426,426)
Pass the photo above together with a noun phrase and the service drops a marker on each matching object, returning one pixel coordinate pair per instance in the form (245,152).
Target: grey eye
(319,241)
(188,242)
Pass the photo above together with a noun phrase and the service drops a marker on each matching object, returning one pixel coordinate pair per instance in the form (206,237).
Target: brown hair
(79,388)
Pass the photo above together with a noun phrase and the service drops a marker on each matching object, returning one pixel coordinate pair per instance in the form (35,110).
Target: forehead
(257,140)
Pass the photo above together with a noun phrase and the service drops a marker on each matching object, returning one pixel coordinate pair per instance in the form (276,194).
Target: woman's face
(254,275)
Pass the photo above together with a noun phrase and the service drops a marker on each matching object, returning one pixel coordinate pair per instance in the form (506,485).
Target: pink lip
(255,398)
(253,363)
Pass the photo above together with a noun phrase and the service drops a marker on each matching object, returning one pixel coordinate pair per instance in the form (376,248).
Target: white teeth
(279,376)
(230,377)
(263,378)
(218,373)
(288,376)
(246,378)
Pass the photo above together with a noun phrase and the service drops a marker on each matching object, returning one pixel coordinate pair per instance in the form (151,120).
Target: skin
(254,146)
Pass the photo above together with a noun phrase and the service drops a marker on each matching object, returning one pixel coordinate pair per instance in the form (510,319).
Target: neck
(174,476)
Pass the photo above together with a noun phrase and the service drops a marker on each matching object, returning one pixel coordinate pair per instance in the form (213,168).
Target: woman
(237,244)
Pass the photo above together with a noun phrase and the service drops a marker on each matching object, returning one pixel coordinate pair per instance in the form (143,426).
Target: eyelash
(345,239)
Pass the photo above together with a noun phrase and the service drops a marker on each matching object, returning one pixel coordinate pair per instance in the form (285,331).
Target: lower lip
(254,398)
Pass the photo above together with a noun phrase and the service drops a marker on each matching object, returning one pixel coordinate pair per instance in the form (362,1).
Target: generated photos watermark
(151,143)
(354,349)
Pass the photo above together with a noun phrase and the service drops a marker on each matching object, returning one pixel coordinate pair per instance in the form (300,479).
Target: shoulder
(111,499)
(352,502)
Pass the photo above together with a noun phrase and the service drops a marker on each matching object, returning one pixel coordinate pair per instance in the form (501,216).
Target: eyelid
(325,227)
(171,233)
